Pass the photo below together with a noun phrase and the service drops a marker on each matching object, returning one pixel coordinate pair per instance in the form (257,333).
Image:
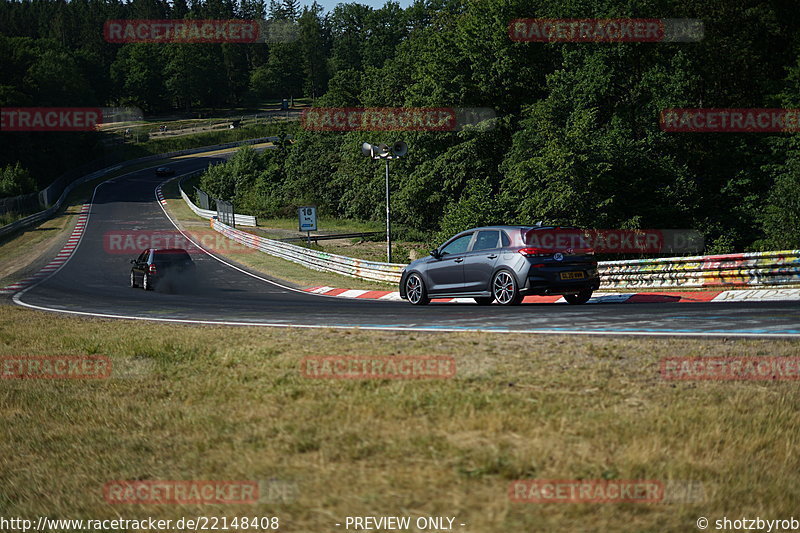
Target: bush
(15,180)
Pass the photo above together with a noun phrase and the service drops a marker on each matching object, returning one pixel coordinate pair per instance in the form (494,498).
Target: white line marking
(410,328)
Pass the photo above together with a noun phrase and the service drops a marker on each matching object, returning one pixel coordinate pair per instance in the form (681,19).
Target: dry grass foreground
(222,403)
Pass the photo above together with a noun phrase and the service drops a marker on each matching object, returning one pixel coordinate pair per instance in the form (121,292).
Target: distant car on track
(165,171)
(499,264)
(156,266)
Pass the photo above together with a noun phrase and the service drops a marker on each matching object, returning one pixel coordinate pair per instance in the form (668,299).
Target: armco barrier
(369,270)
(45,194)
(50,211)
(757,269)
(241,220)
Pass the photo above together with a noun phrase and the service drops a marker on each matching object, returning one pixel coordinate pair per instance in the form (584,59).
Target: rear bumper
(542,285)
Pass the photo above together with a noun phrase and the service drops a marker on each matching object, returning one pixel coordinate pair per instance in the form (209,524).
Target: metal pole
(388,219)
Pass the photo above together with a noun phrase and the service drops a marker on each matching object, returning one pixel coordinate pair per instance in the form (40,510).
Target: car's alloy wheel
(415,290)
(133,280)
(504,288)
(146,283)
(580,298)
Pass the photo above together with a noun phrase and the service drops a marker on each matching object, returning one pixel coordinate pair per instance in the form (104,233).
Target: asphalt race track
(94,281)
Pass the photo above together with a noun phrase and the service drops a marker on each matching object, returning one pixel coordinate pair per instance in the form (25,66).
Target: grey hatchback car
(499,264)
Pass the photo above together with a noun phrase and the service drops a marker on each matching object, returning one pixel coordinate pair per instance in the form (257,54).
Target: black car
(164,171)
(499,264)
(156,266)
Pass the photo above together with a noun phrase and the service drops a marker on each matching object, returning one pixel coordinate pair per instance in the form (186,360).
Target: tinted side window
(486,240)
(458,246)
(506,240)
(143,256)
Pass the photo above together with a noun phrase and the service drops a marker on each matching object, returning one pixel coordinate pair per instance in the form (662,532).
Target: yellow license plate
(572,275)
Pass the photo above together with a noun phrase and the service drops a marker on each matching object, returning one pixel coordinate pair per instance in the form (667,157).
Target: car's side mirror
(436,253)
(133,261)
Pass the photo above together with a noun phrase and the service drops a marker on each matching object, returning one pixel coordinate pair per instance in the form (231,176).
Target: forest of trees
(577,138)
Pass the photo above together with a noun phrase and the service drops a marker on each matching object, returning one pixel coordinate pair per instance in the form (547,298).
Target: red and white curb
(160,196)
(60,258)
(599,297)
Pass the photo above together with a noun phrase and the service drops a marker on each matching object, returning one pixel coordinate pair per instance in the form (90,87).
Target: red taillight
(151,269)
(535,252)
(537,265)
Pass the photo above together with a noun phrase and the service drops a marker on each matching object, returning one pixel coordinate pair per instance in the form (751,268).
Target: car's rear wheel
(484,300)
(415,290)
(505,288)
(580,298)
(133,280)
(146,284)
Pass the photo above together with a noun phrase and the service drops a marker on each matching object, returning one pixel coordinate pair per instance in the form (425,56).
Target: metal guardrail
(50,211)
(757,269)
(23,203)
(241,220)
(316,238)
(348,266)
(45,193)
(754,269)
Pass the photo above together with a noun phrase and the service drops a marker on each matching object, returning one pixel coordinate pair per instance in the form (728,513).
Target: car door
(140,265)
(446,274)
(479,262)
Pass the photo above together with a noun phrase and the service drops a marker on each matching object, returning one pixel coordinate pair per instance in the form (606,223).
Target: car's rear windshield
(171,256)
(535,234)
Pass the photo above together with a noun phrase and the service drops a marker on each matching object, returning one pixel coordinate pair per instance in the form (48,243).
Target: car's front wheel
(133,280)
(415,290)
(580,298)
(505,288)
(146,283)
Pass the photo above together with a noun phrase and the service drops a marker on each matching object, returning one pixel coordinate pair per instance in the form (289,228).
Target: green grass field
(223,403)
